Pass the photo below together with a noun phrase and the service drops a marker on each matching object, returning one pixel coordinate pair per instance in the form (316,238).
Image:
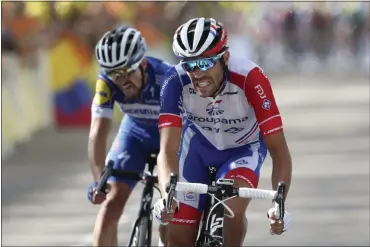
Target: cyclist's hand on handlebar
(160,212)
(94,196)
(277,227)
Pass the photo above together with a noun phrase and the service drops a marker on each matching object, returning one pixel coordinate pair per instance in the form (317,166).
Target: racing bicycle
(142,229)
(211,229)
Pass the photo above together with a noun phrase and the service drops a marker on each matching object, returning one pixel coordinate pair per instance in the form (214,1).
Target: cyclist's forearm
(282,171)
(167,163)
(96,153)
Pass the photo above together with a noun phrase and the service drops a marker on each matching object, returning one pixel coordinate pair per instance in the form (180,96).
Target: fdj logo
(214,108)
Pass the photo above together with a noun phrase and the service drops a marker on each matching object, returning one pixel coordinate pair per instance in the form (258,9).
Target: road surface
(327,127)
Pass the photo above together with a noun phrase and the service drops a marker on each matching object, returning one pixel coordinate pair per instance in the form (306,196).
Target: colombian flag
(69,59)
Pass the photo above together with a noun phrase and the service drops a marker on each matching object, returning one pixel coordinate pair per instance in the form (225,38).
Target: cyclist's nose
(198,73)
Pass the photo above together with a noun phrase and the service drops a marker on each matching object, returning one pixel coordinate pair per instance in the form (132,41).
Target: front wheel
(141,233)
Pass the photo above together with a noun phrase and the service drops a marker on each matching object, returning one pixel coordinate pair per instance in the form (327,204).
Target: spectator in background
(321,30)
(269,32)
(290,27)
(8,43)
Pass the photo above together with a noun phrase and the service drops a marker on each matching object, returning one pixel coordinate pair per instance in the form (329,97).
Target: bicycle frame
(145,205)
(211,232)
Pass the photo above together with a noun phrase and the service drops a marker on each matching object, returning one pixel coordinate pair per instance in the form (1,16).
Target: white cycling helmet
(199,36)
(123,47)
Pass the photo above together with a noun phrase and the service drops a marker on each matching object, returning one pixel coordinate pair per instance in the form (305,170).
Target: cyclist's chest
(145,107)
(228,111)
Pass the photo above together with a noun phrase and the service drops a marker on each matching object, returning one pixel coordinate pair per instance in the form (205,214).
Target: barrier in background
(26,103)
(69,59)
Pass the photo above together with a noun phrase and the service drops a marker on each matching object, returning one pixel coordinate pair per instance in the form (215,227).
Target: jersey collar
(151,77)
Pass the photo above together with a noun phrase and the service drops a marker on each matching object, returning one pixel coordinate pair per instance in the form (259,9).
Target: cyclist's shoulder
(159,66)
(242,70)
(104,79)
(241,65)
(105,88)
(177,75)
(103,91)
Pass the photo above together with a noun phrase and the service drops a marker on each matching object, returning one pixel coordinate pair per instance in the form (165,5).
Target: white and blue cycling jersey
(225,131)
(244,109)
(138,133)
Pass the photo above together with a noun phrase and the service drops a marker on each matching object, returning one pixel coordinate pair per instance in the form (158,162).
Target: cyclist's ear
(144,63)
(226,57)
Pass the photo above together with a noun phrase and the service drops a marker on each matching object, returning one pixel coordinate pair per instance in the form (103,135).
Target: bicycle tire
(141,233)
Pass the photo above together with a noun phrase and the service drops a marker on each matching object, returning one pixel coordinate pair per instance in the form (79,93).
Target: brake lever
(279,202)
(170,189)
(106,173)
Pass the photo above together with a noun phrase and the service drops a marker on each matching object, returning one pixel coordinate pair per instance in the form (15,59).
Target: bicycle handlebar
(241,192)
(109,171)
(228,190)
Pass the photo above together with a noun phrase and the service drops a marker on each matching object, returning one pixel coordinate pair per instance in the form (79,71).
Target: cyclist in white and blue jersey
(231,122)
(132,81)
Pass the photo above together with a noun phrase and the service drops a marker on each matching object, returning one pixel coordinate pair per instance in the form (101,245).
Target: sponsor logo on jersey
(215,120)
(232,130)
(165,124)
(192,91)
(260,91)
(184,221)
(158,79)
(190,196)
(143,112)
(213,108)
(140,110)
(242,161)
(262,157)
(152,101)
(173,75)
(102,93)
(123,157)
(273,130)
(266,104)
(229,93)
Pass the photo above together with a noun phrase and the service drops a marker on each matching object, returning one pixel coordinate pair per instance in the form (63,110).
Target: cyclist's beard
(205,86)
(132,90)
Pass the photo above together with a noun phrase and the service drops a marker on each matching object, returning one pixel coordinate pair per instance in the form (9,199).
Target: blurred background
(316,55)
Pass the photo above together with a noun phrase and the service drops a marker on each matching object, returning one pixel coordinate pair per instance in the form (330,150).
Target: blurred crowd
(278,36)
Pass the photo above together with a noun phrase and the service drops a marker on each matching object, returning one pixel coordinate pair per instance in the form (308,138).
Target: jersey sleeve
(170,100)
(102,105)
(259,93)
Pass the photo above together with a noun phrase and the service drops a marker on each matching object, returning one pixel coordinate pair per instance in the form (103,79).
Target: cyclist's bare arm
(167,158)
(281,159)
(98,135)
(261,97)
